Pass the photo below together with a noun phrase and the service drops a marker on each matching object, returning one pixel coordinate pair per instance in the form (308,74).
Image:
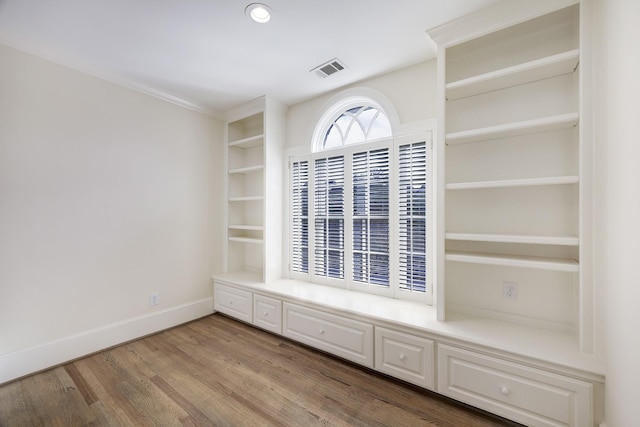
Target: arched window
(360,203)
(357,124)
(353,119)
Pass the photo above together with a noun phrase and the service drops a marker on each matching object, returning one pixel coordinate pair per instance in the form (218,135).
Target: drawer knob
(321,331)
(504,390)
(401,356)
(230,302)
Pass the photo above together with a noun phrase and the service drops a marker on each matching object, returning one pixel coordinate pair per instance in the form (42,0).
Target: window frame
(393,291)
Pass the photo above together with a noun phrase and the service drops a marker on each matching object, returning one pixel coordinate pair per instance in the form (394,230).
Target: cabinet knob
(504,390)
(402,356)
(230,302)
(266,313)
(321,331)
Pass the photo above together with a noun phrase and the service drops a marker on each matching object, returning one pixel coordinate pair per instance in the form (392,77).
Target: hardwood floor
(219,372)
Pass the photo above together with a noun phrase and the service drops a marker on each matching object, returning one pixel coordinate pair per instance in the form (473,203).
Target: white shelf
(553,264)
(250,142)
(539,69)
(246,227)
(246,170)
(513,129)
(515,238)
(526,182)
(246,240)
(246,199)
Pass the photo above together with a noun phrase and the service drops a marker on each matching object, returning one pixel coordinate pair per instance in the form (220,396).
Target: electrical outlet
(510,290)
(153,298)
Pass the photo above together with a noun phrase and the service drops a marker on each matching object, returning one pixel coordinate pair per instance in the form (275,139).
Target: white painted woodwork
(556,264)
(344,337)
(555,65)
(518,392)
(512,129)
(267,313)
(235,302)
(246,170)
(254,136)
(515,238)
(529,182)
(404,337)
(408,357)
(515,185)
(512,205)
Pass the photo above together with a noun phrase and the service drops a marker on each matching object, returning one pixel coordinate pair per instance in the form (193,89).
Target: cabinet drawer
(232,301)
(527,395)
(343,337)
(267,313)
(405,356)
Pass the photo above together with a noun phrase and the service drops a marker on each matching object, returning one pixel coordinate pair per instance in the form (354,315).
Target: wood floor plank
(79,381)
(219,372)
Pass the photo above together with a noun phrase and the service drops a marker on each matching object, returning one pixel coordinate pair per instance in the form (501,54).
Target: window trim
(343,101)
(394,290)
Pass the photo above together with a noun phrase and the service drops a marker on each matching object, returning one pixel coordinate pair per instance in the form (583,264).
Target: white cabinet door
(347,338)
(267,313)
(405,356)
(235,302)
(521,393)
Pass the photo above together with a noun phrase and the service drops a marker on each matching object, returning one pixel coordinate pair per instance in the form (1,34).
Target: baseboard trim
(30,360)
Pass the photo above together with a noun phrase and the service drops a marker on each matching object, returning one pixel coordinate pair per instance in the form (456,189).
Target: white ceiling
(209,54)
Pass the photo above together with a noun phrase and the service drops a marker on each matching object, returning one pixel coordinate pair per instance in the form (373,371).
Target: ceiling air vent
(328,68)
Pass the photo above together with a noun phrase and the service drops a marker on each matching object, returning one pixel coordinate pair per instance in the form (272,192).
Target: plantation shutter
(412,191)
(329,217)
(300,217)
(371,217)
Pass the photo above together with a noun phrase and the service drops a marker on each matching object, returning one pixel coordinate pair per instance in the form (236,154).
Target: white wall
(106,195)
(411,90)
(617,206)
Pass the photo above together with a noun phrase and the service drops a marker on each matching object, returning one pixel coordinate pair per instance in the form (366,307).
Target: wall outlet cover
(510,290)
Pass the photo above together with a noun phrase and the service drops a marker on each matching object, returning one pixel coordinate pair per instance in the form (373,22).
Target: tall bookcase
(514,241)
(254,141)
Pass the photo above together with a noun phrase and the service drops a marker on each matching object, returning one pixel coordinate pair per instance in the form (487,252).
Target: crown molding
(493,18)
(77,65)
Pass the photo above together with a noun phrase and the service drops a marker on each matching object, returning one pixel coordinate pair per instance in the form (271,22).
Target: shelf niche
(512,182)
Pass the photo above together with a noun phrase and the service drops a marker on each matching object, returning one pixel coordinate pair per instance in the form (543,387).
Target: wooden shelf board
(539,69)
(246,170)
(553,264)
(515,238)
(513,129)
(250,142)
(246,227)
(246,240)
(525,182)
(246,199)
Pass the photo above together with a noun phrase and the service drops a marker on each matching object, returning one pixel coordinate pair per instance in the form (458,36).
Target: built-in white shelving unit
(512,161)
(511,330)
(255,136)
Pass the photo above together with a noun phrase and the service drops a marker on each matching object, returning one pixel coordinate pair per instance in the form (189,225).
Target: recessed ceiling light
(259,12)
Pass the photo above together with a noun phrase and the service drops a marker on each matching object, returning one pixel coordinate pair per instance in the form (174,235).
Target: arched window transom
(356,124)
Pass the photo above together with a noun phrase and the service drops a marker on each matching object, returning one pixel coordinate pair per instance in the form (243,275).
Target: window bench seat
(456,357)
